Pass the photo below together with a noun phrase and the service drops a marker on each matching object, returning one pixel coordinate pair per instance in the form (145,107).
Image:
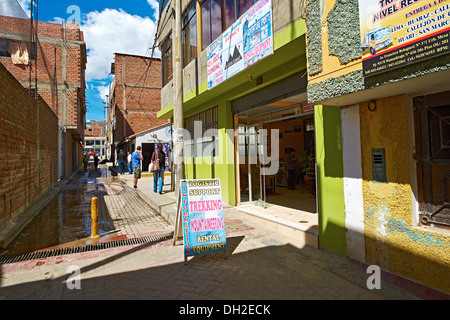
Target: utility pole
(178,103)
(178,115)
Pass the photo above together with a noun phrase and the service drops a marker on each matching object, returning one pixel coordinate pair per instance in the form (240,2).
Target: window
(432,135)
(230,13)
(166,54)
(219,15)
(212,21)
(203,130)
(243,6)
(189,34)
(309,125)
(9,47)
(4,47)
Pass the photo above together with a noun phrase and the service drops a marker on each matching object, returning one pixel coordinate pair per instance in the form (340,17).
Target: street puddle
(66,218)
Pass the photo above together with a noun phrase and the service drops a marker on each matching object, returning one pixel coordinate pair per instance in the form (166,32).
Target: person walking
(136,158)
(96,161)
(85,160)
(159,160)
(290,160)
(129,162)
(121,158)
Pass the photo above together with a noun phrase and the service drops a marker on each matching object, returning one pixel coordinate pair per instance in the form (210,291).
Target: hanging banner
(244,43)
(202,217)
(395,33)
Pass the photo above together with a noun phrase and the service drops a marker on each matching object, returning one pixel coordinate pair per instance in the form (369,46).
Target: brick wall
(60,73)
(28,143)
(53,58)
(137,94)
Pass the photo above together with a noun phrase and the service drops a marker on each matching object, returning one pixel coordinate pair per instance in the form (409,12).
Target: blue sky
(109,26)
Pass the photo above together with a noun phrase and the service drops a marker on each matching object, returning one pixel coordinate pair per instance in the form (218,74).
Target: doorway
(249,164)
(432,135)
(147,151)
(293,184)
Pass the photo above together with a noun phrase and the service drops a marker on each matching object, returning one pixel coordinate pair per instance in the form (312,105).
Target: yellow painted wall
(392,241)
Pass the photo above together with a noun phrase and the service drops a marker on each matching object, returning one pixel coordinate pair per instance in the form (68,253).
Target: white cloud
(113,31)
(103,91)
(154,4)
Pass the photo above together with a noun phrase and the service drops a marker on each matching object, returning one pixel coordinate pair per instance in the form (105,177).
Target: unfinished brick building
(52,65)
(135,95)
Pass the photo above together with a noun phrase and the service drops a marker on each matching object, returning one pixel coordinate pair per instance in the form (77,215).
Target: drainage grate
(90,247)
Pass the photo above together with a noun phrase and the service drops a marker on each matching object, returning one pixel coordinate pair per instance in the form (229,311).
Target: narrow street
(259,263)
(66,220)
(282,150)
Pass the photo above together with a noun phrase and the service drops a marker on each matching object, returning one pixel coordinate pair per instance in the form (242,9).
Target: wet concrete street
(260,263)
(67,218)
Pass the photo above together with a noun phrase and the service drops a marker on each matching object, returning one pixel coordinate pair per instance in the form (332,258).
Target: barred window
(203,130)
(432,135)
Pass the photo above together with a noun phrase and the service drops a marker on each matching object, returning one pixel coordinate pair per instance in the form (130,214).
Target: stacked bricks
(137,94)
(28,140)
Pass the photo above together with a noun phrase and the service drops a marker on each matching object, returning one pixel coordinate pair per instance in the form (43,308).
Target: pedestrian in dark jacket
(121,158)
(96,161)
(158,159)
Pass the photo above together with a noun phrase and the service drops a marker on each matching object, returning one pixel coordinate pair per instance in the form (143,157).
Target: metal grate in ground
(41,254)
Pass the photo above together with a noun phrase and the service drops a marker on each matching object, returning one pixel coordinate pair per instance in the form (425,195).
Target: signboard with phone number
(396,33)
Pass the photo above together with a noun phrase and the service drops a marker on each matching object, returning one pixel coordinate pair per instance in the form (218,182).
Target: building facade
(243,73)
(95,138)
(382,104)
(362,111)
(50,60)
(149,141)
(135,96)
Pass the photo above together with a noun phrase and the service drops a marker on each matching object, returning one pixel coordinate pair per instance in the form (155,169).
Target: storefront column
(224,166)
(329,177)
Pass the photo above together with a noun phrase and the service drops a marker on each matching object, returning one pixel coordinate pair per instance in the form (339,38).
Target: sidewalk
(280,219)
(260,264)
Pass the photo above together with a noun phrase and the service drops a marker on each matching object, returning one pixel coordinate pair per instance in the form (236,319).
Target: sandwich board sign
(202,219)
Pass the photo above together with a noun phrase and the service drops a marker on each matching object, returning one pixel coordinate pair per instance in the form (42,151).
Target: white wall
(354,210)
(162,136)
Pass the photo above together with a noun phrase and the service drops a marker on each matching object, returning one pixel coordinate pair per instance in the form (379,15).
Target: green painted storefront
(288,59)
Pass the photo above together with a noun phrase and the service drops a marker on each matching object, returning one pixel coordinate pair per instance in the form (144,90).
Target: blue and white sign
(244,43)
(203,222)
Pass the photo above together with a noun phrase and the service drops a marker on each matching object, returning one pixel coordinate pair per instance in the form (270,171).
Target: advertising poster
(258,41)
(203,222)
(214,63)
(243,44)
(233,50)
(395,33)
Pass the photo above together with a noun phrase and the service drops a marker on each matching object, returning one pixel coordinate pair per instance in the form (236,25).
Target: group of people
(86,160)
(134,166)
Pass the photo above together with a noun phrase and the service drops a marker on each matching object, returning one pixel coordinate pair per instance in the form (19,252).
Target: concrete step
(305,233)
